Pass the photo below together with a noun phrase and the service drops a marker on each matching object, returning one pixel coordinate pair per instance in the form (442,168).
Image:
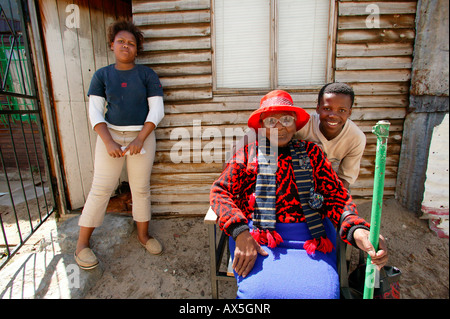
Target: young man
(341,140)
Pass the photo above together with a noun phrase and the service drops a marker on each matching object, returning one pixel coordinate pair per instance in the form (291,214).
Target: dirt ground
(422,257)
(182,272)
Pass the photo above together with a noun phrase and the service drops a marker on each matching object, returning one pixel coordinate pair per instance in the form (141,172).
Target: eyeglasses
(286,120)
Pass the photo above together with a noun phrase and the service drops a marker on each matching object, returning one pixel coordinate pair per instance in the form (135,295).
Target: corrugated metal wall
(375,61)
(178,45)
(435,202)
(428,100)
(178,48)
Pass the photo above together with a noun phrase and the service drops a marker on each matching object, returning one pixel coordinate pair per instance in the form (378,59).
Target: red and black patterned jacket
(231,193)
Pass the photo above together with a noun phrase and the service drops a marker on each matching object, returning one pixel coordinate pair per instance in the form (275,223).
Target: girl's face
(124,47)
(285,133)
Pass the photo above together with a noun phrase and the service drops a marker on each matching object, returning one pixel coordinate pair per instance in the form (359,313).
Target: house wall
(179,46)
(428,103)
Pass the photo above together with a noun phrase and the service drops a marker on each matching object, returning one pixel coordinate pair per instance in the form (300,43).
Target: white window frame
(331,52)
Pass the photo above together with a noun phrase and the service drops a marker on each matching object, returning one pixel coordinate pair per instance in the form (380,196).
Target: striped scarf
(264,218)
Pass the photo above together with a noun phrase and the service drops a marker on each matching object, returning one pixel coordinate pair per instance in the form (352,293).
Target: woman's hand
(380,258)
(245,254)
(114,149)
(134,147)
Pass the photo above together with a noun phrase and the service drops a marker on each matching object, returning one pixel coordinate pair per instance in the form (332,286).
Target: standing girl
(133,97)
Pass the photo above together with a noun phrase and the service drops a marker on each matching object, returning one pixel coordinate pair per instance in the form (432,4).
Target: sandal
(86,259)
(153,246)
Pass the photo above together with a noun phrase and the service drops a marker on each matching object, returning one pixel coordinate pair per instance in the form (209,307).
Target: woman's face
(285,133)
(124,47)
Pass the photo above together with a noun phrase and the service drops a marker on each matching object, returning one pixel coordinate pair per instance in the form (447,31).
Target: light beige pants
(107,171)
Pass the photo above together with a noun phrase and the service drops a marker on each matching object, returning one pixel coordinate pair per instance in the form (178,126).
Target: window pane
(302,42)
(242,49)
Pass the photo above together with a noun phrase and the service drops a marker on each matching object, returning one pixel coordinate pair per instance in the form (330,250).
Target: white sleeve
(96,109)
(155,109)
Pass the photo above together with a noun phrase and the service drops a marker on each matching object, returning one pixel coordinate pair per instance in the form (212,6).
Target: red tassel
(322,244)
(325,245)
(270,241)
(278,238)
(259,236)
(263,237)
(310,246)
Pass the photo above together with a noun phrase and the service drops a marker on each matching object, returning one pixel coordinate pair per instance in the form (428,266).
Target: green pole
(381,130)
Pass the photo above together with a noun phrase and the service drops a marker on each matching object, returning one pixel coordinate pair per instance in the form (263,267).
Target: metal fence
(26,195)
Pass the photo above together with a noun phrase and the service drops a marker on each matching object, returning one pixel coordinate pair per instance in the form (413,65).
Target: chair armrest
(210,217)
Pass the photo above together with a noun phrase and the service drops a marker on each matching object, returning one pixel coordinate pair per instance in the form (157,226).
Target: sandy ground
(422,257)
(182,272)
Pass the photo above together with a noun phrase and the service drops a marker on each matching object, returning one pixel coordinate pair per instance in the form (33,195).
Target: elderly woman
(279,199)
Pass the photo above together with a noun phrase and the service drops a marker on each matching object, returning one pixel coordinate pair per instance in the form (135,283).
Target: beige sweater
(344,151)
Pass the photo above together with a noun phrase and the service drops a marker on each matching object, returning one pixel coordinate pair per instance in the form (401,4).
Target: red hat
(278,101)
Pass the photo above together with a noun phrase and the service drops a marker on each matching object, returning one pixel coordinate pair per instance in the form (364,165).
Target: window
(267,44)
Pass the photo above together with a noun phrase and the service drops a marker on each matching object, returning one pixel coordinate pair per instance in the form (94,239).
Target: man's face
(333,110)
